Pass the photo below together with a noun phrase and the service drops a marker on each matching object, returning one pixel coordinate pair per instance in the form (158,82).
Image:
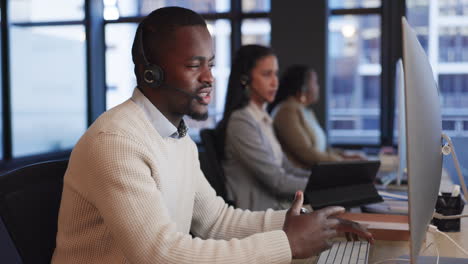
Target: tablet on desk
(344,183)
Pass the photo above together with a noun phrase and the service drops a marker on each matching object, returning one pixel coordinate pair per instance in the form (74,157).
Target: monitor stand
(447,149)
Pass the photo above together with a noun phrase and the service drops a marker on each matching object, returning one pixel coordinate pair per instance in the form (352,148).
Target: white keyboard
(352,252)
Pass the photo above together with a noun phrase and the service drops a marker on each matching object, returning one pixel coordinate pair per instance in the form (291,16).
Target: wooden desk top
(383,250)
(392,249)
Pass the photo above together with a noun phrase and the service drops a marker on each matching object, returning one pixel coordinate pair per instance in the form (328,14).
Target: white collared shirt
(164,127)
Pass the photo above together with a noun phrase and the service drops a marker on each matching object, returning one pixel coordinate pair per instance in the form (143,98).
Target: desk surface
(392,249)
(383,250)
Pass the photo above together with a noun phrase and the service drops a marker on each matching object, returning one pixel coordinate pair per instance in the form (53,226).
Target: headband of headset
(153,75)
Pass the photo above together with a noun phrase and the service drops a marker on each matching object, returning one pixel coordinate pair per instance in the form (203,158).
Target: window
(46,10)
(448,125)
(447,42)
(454,90)
(120,33)
(465,125)
(47,73)
(256,5)
(344,4)
(441,24)
(256,31)
(354,74)
(130,8)
(119,65)
(452,40)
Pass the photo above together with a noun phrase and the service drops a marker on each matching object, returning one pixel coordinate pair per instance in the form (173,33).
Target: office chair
(210,162)
(29,204)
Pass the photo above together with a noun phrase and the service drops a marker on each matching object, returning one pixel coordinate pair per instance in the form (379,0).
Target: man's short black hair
(157,28)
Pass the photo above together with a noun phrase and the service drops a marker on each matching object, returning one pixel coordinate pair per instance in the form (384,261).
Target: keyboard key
(323,257)
(347,252)
(340,253)
(352,252)
(355,255)
(332,255)
(364,251)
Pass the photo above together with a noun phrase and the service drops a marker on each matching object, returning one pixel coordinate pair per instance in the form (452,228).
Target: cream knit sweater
(131,196)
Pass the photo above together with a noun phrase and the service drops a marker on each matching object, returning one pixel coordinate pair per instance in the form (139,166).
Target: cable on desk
(441,216)
(434,230)
(437,249)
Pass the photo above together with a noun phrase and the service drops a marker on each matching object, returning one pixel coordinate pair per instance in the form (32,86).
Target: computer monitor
(423,138)
(400,91)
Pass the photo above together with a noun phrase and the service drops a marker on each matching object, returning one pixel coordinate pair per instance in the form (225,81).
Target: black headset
(244,80)
(153,75)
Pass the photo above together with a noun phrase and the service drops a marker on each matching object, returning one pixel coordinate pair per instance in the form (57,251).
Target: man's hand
(353,229)
(310,234)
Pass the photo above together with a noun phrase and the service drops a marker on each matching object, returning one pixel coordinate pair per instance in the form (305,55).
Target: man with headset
(133,191)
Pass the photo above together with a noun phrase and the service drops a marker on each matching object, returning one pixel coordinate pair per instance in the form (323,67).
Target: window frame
(390,12)
(94,24)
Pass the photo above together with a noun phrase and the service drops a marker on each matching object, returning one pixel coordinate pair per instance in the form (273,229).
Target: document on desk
(394,203)
(393,196)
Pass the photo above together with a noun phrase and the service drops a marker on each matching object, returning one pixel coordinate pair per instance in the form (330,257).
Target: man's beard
(198,116)
(195,115)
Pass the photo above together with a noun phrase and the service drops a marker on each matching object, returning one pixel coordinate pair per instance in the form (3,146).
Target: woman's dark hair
(292,82)
(244,61)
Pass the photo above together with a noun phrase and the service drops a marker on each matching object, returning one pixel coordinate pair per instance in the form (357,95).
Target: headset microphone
(189,94)
(245,80)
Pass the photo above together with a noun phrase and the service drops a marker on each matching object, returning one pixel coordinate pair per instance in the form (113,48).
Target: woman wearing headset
(258,175)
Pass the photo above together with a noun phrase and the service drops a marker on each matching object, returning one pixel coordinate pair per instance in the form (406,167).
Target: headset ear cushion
(153,75)
(244,79)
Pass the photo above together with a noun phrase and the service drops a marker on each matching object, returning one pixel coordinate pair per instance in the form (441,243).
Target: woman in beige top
(300,135)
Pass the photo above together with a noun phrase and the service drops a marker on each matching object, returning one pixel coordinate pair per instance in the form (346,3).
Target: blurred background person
(302,138)
(258,174)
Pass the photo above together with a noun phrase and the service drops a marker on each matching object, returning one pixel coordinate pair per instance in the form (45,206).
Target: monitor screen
(400,91)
